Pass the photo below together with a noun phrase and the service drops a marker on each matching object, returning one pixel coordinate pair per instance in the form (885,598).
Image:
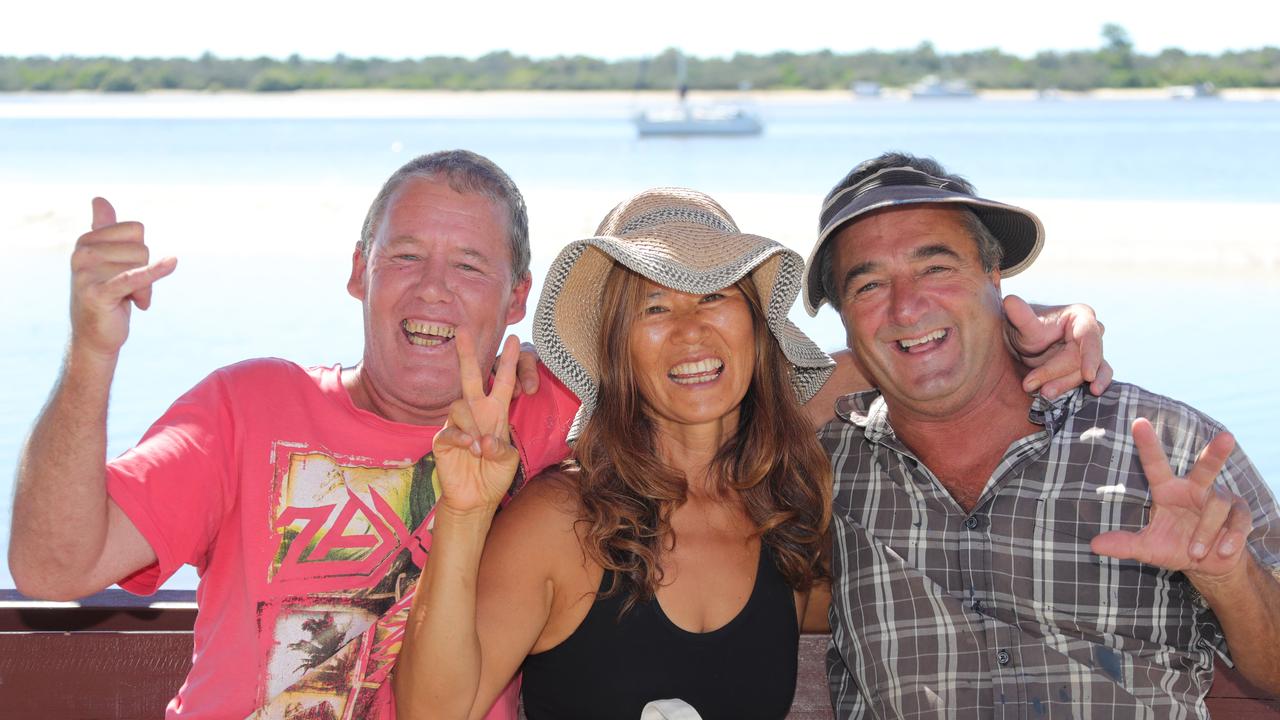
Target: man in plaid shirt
(1003,555)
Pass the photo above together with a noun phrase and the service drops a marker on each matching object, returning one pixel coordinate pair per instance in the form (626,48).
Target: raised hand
(1063,345)
(110,272)
(1197,526)
(474,456)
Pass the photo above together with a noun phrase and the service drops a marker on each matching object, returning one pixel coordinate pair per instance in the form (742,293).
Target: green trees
(1114,64)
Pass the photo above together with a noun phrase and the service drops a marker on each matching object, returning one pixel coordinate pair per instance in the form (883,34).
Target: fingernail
(529,388)
(1198,550)
(475,447)
(1227,547)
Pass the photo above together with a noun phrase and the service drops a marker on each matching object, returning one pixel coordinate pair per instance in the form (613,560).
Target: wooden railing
(117,656)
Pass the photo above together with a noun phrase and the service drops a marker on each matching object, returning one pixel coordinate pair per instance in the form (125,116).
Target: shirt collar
(868,410)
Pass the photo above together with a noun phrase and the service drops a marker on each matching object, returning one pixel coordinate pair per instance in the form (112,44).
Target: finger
(1030,334)
(468,367)
(1212,459)
(1058,386)
(504,379)
(496,448)
(1213,517)
(1089,339)
(132,282)
(160,268)
(1119,544)
(128,233)
(1103,380)
(1155,464)
(452,437)
(1061,362)
(461,418)
(1237,529)
(527,370)
(103,213)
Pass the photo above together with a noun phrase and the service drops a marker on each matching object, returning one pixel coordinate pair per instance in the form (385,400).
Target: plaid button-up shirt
(1005,612)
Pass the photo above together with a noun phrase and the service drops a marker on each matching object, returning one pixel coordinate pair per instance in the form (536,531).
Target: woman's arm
(485,594)
(813,608)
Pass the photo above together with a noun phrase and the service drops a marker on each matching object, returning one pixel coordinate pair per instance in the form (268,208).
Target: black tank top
(611,668)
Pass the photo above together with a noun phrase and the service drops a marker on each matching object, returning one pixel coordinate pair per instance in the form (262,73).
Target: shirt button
(1002,657)
(972,522)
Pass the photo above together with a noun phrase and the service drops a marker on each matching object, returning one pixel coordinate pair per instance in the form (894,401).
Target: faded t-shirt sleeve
(174,485)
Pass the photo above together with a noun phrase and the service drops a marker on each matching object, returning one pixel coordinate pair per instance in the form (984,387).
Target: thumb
(1028,326)
(1119,544)
(103,213)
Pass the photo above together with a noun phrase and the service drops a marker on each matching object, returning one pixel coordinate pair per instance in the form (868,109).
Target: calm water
(1207,342)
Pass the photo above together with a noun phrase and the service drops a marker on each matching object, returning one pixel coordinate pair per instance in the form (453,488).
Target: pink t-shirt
(302,514)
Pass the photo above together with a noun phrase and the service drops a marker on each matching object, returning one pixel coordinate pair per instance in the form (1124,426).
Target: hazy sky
(600,28)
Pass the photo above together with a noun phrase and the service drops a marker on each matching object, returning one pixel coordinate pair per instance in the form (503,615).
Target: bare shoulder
(540,519)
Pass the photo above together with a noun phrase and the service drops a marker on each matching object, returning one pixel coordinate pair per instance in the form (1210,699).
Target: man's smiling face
(921,314)
(439,260)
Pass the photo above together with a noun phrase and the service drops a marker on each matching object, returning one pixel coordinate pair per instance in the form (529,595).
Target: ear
(519,296)
(995,278)
(355,284)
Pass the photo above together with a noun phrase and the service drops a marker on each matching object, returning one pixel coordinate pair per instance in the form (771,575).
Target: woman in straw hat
(675,554)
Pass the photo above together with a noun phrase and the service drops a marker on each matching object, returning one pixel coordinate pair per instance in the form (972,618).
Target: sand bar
(1235,239)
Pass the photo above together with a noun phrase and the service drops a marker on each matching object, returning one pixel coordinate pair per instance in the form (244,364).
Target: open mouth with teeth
(425,334)
(692,373)
(924,343)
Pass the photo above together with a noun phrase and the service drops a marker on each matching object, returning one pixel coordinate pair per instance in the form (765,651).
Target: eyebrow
(469,252)
(923,252)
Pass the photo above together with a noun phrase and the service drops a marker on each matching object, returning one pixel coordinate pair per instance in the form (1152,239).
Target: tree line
(1113,65)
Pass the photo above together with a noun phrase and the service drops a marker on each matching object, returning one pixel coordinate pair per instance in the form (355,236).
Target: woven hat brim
(568,317)
(1019,231)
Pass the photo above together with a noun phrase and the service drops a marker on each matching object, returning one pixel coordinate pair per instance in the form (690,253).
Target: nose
(691,326)
(434,283)
(906,303)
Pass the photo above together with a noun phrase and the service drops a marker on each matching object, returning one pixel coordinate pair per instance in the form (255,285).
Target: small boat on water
(931,87)
(686,119)
(689,119)
(1199,91)
(865,89)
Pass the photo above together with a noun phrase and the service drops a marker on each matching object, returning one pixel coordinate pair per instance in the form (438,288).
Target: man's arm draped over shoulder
(68,538)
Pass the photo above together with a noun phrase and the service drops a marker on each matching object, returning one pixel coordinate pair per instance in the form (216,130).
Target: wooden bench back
(73,660)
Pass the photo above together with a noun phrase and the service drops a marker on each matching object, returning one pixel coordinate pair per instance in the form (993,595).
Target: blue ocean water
(1204,340)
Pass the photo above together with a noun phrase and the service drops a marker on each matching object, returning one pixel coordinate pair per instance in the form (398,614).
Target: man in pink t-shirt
(302,495)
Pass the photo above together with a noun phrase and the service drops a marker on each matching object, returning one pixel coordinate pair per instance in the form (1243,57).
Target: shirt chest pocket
(1090,595)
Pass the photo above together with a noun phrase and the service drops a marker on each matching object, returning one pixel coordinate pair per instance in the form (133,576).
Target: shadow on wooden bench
(114,655)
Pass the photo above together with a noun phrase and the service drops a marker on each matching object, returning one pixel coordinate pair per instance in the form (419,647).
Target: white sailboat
(686,119)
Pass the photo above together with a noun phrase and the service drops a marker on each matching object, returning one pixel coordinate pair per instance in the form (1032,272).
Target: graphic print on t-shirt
(347,548)
(351,538)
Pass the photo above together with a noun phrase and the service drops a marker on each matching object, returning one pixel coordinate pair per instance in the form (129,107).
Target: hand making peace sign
(474,455)
(1197,526)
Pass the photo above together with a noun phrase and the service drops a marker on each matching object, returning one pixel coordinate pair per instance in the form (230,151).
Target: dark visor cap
(1019,231)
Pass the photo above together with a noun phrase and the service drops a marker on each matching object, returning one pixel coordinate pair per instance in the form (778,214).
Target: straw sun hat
(679,239)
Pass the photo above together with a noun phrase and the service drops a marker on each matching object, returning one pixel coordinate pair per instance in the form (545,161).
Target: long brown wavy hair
(627,493)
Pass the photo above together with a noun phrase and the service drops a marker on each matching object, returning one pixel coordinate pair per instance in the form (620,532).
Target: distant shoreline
(384,103)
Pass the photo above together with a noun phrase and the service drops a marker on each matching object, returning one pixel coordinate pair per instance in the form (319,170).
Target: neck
(365,395)
(690,450)
(963,448)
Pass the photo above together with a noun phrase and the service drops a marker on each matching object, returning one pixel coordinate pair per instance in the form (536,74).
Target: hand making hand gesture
(1197,526)
(474,455)
(110,272)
